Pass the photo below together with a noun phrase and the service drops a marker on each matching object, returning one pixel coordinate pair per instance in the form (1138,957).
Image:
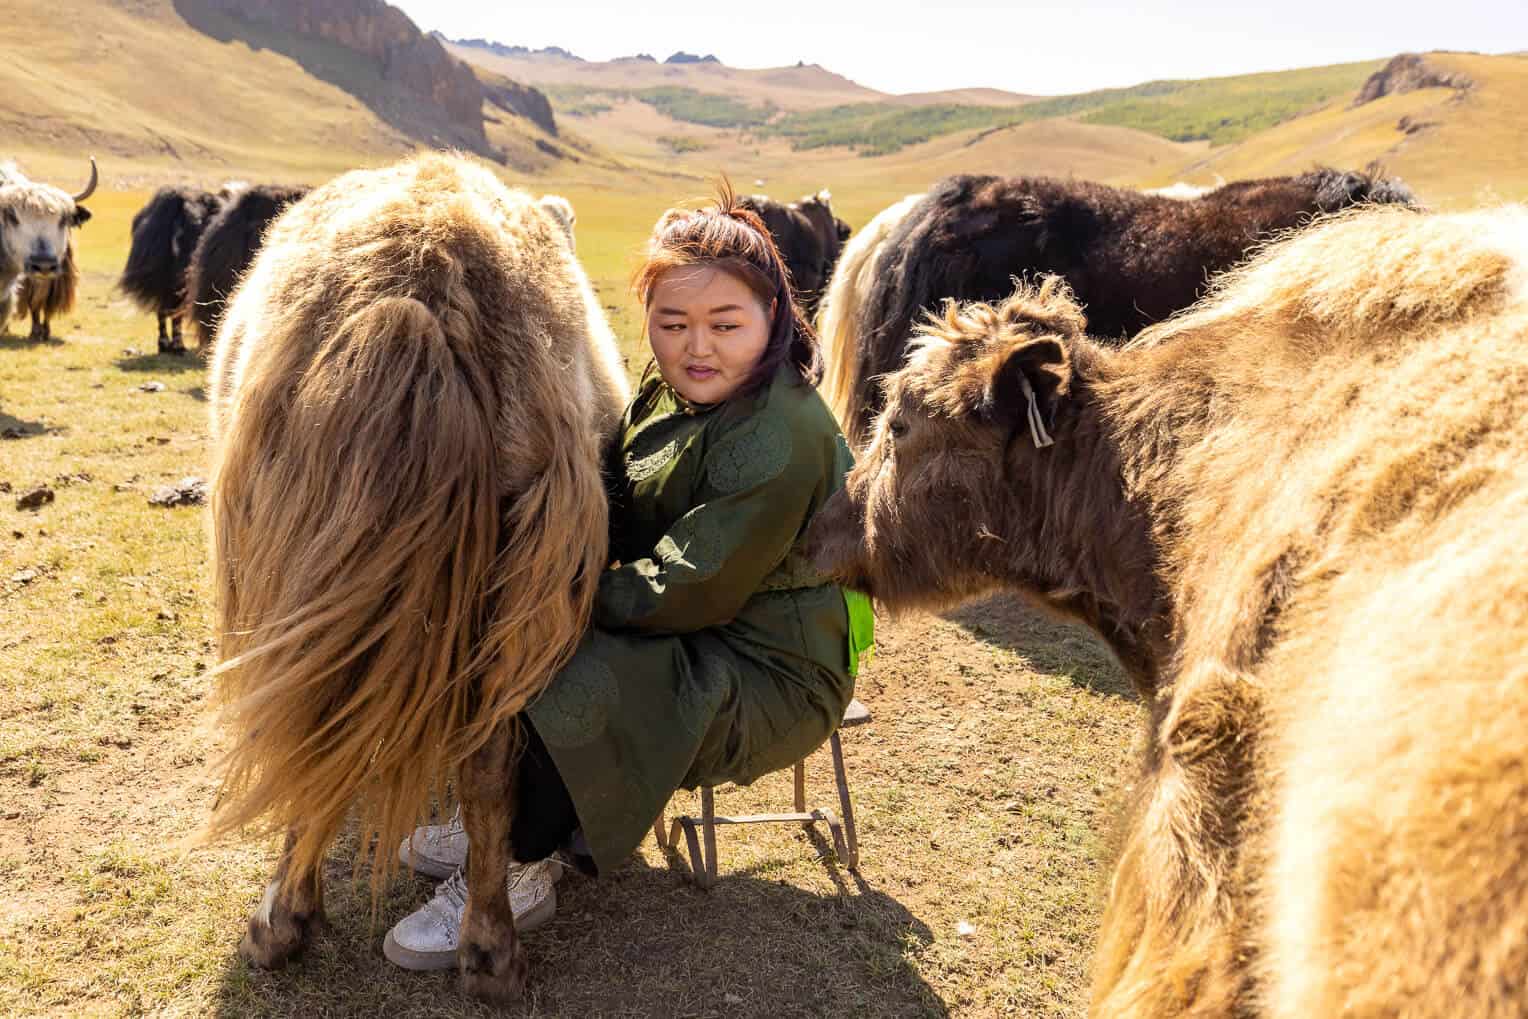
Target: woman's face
(707,330)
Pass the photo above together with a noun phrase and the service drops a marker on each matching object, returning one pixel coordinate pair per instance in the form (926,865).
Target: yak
(410,396)
(1297,514)
(227,247)
(853,277)
(809,237)
(37,263)
(165,233)
(1131,259)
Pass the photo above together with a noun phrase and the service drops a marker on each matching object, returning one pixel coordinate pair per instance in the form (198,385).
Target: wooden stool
(845,841)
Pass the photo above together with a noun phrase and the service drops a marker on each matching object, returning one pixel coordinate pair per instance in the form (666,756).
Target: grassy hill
(157,99)
(794,103)
(1457,148)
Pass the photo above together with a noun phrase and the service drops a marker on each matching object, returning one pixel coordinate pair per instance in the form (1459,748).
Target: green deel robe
(717,653)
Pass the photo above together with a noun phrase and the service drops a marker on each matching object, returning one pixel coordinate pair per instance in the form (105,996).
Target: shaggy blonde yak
(410,395)
(1299,514)
(852,278)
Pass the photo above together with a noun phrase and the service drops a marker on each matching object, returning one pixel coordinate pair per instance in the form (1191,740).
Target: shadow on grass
(161,364)
(13,427)
(1047,644)
(641,942)
(9,341)
(197,393)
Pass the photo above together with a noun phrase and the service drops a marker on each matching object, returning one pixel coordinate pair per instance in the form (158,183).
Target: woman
(717,653)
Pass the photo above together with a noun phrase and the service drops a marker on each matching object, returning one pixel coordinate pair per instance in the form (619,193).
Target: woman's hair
(734,240)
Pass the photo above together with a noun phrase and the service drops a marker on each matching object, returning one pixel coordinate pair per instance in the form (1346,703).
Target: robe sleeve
(757,490)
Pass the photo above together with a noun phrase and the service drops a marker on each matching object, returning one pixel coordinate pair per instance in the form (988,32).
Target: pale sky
(1049,49)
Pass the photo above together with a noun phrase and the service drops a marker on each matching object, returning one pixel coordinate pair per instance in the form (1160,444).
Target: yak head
(947,502)
(35,222)
(561,211)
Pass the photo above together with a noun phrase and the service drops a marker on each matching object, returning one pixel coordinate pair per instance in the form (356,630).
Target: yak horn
(89,188)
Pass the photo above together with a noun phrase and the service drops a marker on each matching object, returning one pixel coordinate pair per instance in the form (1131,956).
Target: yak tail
(151,278)
(384,605)
(838,318)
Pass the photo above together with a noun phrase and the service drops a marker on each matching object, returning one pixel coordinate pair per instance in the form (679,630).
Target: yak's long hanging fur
(409,398)
(853,278)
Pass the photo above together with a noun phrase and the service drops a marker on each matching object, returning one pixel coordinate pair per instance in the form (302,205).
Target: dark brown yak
(1130,258)
(226,248)
(1298,514)
(165,234)
(810,239)
(409,396)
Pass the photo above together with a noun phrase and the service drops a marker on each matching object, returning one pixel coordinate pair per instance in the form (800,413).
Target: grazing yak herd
(1269,441)
(190,248)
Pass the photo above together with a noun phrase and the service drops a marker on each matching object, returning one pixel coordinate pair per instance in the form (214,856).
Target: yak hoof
(277,937)
(494,974)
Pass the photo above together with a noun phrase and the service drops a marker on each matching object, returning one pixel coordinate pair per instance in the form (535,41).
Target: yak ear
(1027,385)
(81,215)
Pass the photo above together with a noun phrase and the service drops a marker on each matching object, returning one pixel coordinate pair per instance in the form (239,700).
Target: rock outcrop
(1407,73)
(523,101)
(434,96)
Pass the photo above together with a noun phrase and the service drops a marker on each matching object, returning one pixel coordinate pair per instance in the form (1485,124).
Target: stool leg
(800,777)
(697,859)
(845,808)
(708,823)
(659,831)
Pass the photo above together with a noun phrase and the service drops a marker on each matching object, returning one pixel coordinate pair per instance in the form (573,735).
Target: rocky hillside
(1409,72)
(415,63)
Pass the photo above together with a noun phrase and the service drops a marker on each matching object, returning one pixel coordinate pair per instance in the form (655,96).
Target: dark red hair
(734,240)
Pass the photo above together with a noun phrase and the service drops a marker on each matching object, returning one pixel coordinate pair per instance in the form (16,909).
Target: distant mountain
(689,58)
(503,50)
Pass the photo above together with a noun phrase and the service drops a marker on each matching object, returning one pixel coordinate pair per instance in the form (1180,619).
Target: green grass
(685,105)
(681,143)
(878,129)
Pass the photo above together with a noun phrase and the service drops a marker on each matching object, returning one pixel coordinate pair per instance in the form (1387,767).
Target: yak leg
(39,329)
(164,335)
(291,912)
(492,960)
(174,345)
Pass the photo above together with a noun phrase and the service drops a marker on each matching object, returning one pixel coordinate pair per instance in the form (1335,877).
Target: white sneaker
(427,938)
(436,850)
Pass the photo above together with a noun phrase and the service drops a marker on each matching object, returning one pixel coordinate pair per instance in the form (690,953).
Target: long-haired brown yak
(1130,259)
(409,398)
(1297,513)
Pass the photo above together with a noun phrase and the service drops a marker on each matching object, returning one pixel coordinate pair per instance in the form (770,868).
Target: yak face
(561,210)
(35,222)
(947,501)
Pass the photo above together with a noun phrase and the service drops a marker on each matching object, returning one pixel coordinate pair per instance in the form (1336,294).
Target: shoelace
(453,890)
